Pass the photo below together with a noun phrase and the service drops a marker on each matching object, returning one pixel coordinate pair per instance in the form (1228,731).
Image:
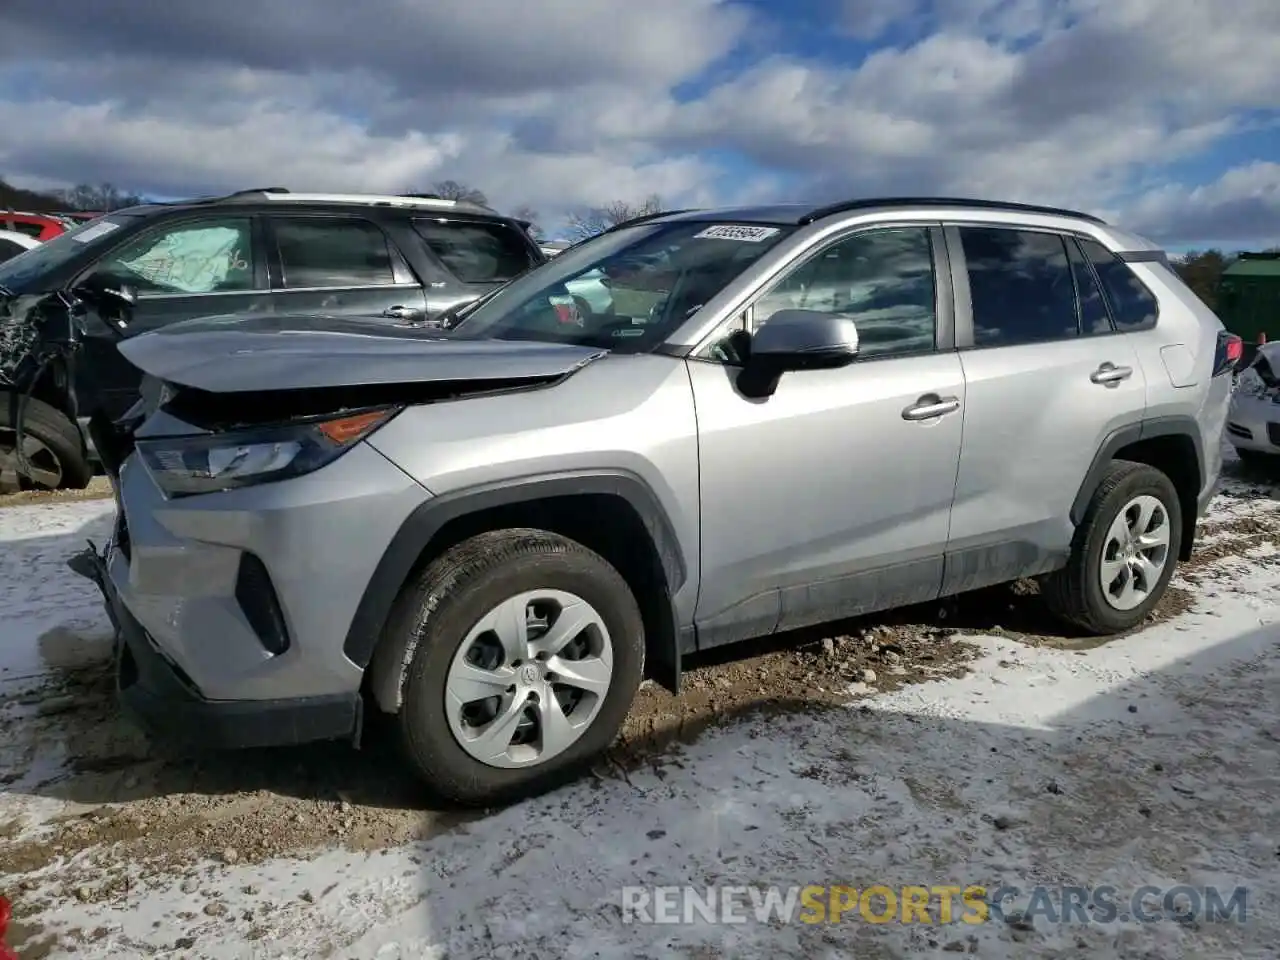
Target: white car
(13,243)
(1253,421)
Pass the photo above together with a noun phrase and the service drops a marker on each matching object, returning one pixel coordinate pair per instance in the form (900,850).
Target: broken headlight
(207,463)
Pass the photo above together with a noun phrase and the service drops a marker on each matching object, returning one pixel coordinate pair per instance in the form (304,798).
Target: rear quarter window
(477,252)
(1133,306)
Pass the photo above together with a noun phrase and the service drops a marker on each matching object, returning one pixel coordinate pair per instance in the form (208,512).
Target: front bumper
(232,608)
(1253,423)
(165,703)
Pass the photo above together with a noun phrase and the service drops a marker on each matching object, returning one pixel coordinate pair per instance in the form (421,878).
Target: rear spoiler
(1145,256)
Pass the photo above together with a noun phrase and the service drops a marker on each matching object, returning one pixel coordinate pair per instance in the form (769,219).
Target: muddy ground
(134,814)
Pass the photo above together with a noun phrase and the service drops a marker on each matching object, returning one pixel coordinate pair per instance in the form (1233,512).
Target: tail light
(1229,353)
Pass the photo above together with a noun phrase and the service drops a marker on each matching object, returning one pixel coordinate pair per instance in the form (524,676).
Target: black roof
(799,214)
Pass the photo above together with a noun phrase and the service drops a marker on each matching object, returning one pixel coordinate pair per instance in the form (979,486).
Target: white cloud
(560,104)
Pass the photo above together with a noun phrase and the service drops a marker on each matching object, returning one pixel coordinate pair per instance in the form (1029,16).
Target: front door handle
(1109,373)
(929,406)
(404,314)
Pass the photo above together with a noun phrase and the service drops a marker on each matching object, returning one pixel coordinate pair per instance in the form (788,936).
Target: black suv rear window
(475,251)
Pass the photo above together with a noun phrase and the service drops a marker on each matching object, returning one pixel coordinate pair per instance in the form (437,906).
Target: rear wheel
(526,652)
(53,454)
(1124,552)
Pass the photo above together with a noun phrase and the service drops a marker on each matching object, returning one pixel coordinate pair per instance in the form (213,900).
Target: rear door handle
(1109,373)
(929,406)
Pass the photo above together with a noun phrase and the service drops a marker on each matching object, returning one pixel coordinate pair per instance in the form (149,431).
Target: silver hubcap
(1135,553)
(529,678)
(42,467)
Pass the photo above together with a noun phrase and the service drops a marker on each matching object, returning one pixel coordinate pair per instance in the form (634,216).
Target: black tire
(438,608)
(1075,593)
(56,431)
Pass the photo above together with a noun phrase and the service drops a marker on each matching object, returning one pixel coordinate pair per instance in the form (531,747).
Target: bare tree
(530,215)
(102,198)
(598,219)
(453,190)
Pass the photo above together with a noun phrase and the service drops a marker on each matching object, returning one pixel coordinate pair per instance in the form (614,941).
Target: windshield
(625,291)
(23,271)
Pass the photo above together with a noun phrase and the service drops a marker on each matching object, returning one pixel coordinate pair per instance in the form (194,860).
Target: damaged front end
(1260,379)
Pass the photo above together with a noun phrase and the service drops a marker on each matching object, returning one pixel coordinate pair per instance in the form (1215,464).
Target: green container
(1249,296)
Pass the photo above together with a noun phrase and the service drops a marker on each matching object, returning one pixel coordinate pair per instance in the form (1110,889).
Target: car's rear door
(1047,378)
(340,265)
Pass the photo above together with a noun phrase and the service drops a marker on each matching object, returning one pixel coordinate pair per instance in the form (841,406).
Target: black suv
(65,305)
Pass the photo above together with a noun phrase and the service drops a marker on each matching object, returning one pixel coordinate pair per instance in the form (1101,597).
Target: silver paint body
(824,489)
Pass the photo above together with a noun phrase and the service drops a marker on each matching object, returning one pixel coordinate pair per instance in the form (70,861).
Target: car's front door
(833,496)
(1048,379)
(343,266)
(195,267)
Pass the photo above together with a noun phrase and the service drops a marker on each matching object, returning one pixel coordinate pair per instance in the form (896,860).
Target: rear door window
(29,228)
(1133,306)
(318,252)
(477,251)
(1020,285)
(1094,318)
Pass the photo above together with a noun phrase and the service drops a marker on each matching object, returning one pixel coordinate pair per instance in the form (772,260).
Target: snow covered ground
(1153,760)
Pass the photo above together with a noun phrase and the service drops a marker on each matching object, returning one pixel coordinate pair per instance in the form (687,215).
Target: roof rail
(868,203)
(283,195)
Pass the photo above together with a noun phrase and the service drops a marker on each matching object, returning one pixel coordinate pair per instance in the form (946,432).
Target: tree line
(95,198)
(1202,271)
(580,225)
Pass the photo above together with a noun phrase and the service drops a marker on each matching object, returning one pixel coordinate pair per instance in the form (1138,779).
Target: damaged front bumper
(169,708)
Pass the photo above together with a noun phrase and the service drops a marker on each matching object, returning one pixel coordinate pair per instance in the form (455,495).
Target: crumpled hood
(302,352)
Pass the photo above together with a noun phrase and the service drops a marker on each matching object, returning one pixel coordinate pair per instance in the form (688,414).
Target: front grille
(1273,433)
(260,605)
(1238,431)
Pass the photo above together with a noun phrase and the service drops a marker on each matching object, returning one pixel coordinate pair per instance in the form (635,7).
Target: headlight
(183,466)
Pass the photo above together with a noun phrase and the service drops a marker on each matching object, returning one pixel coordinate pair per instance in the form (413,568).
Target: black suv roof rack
(423,201)
(867,203)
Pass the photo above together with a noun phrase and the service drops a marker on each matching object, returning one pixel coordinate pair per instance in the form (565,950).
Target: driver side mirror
(103,290)
(793,340)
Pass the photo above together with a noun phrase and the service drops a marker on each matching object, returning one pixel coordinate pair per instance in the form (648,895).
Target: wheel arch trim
(421,527)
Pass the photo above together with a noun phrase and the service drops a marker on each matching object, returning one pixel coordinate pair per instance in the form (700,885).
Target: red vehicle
(39,226)
(6,912)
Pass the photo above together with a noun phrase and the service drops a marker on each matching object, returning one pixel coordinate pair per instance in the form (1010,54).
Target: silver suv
(787,415)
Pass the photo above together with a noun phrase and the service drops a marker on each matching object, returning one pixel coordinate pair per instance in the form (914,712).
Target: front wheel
(53,454)
(526,652)
(1124,552)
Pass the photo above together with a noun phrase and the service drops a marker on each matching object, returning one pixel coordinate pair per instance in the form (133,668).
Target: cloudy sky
(1162,113)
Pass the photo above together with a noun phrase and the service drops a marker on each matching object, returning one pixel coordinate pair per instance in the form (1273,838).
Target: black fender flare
(1121,437)
(421,526)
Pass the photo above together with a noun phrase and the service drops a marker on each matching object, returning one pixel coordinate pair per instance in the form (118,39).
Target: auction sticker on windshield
(736,232)
(94,230)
